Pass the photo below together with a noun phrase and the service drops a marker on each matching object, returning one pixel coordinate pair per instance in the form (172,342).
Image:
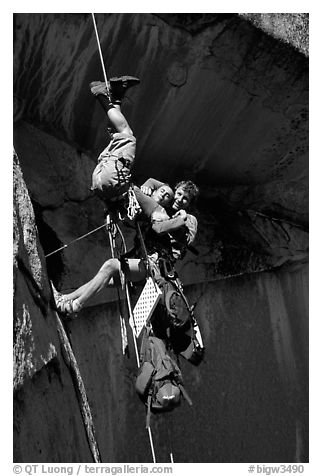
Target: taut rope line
(135,342)
(74,241)
(127,295)
(100,51)
(128,299)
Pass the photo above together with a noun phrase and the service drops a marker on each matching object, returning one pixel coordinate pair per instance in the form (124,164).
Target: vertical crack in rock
(35,333)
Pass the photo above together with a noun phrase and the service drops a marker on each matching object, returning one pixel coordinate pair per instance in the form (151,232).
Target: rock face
(43,388)
(221,103)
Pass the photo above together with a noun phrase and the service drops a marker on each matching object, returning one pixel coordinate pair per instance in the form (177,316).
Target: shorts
(112,175)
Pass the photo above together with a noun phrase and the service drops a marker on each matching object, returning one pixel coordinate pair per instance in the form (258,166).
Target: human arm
(161,223)
(147,204)
(185,235)
(150,186)
(192,227)
(168,226)
(182,226)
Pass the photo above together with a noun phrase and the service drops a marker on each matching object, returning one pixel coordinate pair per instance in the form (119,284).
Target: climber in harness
(186,193)
(135,267)
(173,319)
(112,175)
(108,275)
(162,219)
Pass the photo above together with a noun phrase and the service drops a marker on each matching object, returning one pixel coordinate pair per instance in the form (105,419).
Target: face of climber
(181,199)
(163,195)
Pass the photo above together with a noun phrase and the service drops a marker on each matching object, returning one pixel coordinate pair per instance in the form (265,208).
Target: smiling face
(181,199)
(163,195)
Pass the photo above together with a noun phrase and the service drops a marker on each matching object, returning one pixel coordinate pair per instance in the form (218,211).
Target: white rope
(131,210)
(128,300)
(151,444)
(127,293)
(132,320)
(74,241)
(100,51)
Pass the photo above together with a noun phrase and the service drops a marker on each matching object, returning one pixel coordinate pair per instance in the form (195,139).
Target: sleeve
(168,226)
(153,183)
(192,226)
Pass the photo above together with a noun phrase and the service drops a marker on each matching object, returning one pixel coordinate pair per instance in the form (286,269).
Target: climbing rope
(111,229)
(127,292)
(100,51)
(132,211)
(146,257)
(74,241)
(135,340)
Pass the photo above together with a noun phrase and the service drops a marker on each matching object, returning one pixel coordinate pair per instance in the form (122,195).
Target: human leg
(78,292)
(112,175)
(109,270)
(110,97)
(108,275)
(75,301)
(118,121)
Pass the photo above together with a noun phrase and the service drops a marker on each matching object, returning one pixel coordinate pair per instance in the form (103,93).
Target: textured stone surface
(34,344)
(224,104)
(231,240)
(45,406)
(292,28)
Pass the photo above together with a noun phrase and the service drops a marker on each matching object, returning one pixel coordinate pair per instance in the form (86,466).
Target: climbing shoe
(120,85)
(98,87)
(116,89)
(65,306)
(68,307)
(102,94)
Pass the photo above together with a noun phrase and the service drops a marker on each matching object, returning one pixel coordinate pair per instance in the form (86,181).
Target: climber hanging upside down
(111,177)
(111,180)
(169,238)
